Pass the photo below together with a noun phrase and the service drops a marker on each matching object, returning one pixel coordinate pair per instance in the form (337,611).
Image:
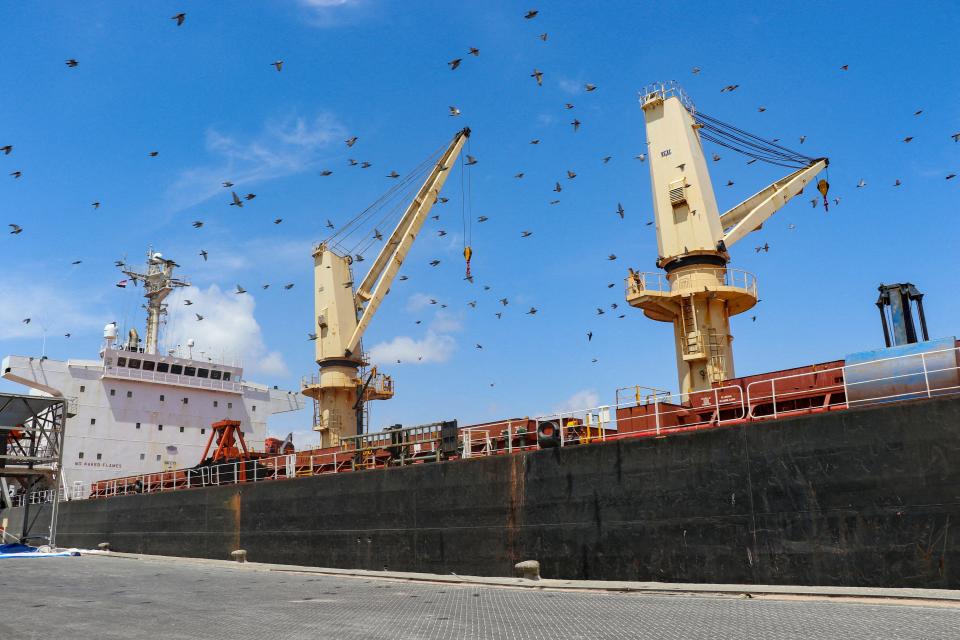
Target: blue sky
(205,96)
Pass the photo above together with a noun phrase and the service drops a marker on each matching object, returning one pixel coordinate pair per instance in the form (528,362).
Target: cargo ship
(835,473)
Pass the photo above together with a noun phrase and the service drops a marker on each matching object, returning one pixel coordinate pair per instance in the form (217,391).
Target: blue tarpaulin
(17,550)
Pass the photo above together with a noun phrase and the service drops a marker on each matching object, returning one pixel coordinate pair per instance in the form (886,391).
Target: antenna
(158,282)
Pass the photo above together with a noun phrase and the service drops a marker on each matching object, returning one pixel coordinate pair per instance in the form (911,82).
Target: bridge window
(134,364)
(113,392)
(163,367)
(148,365)
(93,421)
(138,425)
(202,431)
(121,362)
(158,457)
(142,456)
(82,388)
(99,456)
(215,375)
(186,400)
(176,369)
(80,455)
(181,429)
(229,405)
(226,376)
(203,373)
(129,394)
(216,403)
(189,371)
(159,427)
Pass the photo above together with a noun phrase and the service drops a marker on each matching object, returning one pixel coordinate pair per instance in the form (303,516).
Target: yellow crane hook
(823,187)
(467,254)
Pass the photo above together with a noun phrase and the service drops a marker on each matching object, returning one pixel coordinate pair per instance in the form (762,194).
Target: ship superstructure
(136,410)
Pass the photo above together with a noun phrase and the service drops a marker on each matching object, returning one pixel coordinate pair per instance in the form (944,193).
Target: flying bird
(187,302)
(377,235)
(695,70)
(366,165)
(15,229)
(589,87)
(454,111)
(26,321)
(250,196)
(861,184)
(72,63)
(227,184)
(538,76)
(329,224)
(278,64)
(844,67)
(311,336)
(474,51)
(607,159)
(908,139)
(642,157)
(729,88)
(393,174)
(535,141)
(455,63)
(351,141)
(16,174)
(153,154)
(479,346)
(199,317)
(504,301)
(543,36)
(558,188)
(278,221)
(897,183)
(326,172)
(532,312)
(8,148)
(589,336)
(76,262)
(519,175)
(95,205)
(918,112)
(240,289)
(761,109)
(802,138)
(471,160)
(576,125)
(482,219)
(526,234)
(765,247)
(434,263)
(620,210)
(180,17)
(197,224)
(237,202)
(288,286)
(600,311)
(612,256)
(571,174)
(532,13)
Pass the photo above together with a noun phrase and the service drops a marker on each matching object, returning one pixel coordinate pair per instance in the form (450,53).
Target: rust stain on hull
(235,509)
(515,513)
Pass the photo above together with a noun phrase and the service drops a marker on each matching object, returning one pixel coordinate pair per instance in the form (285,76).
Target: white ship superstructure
(138,411)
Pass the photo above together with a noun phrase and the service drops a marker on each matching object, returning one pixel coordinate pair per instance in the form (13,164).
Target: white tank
(110,332)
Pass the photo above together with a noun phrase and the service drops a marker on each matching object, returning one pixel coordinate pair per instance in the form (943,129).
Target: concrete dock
(139,597)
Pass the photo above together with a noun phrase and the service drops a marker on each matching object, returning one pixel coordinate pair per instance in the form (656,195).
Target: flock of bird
(537,76)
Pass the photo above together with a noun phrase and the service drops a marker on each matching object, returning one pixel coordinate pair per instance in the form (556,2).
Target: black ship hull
(865,497)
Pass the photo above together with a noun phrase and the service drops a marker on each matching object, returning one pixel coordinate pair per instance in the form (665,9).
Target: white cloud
(228,330)
(325,13)
(283,148)
(280,253)
(569,86)
(583,399)
(434,347)
(56,310)
(419,301)
(446,322)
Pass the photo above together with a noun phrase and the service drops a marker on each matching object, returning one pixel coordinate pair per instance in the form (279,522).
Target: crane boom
(750,214)
(377,282)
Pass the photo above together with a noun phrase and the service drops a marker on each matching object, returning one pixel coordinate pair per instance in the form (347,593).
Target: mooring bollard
(104,546)
(240,555)
(529,569)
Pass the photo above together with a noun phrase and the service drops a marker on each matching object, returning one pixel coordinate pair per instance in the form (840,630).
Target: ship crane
(697,292)
(343,314)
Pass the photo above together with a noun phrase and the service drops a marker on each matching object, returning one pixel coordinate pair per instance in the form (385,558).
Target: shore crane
(696,292)
(343,313)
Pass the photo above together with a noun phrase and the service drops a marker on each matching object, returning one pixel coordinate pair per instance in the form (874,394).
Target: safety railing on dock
(637,412)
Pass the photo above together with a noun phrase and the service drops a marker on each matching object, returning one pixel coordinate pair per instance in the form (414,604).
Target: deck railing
(637,412)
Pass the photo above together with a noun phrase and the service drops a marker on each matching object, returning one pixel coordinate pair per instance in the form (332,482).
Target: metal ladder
(688,319)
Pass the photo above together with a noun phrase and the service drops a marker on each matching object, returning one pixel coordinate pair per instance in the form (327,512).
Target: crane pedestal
(699,301)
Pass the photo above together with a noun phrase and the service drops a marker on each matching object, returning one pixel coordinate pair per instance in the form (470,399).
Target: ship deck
(99,596)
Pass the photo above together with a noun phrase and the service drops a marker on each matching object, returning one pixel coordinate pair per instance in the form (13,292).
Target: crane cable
(356,224)
(748,144)
(466,210)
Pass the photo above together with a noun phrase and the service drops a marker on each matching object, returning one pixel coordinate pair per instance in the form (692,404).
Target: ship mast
(158,282)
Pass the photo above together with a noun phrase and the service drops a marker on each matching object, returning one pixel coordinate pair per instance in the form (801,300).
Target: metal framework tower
(158,282)
(31,457)
(698,292)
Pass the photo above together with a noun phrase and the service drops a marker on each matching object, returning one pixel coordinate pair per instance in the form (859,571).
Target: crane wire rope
(748,144)
(357,223)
